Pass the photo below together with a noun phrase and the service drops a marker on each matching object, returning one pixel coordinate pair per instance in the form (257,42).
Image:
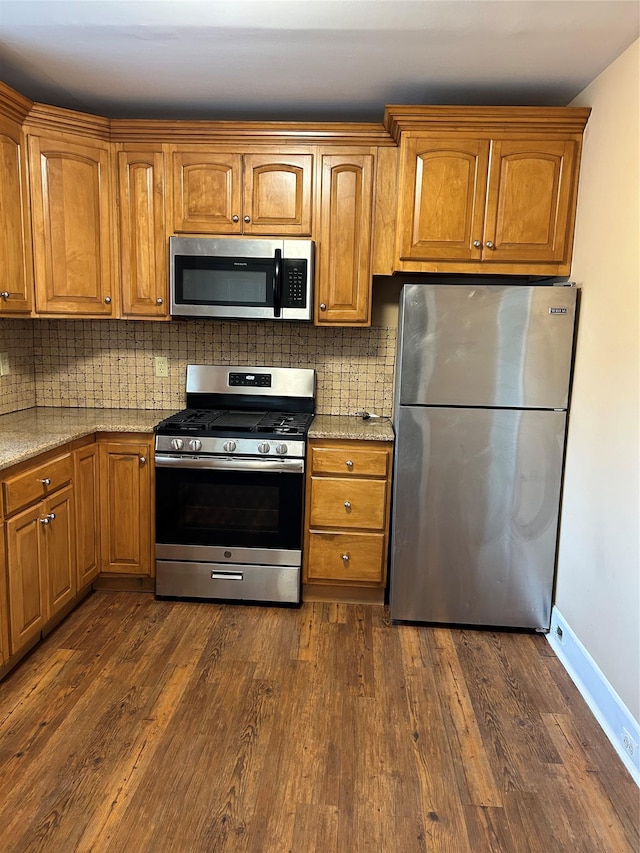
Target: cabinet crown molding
(13,105)
(399,118)
(56,120)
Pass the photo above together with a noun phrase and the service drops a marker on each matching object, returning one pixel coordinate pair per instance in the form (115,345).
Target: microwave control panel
(294,283)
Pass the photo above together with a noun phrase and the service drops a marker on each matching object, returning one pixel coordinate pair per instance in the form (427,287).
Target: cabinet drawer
(32,485)
(343,461)
(348,503)
(352,557)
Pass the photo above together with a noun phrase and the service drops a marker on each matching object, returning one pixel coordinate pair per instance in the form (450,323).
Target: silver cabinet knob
(235,218)
(159,300)
(229,446)
(107,299)
(5,294)
(143,460)
(477,243)
(489,244)
(345,558)
(264,447)
(323,306)
(349,464)
(46,481)
(247,219)
(195,444)
(347,505)
(45,520)
(177,444)
(51,516)
(281,449)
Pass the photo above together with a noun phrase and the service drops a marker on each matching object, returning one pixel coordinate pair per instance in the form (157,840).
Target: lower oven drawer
(239,582)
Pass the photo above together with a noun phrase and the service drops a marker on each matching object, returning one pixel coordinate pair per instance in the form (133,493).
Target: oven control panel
(250,380)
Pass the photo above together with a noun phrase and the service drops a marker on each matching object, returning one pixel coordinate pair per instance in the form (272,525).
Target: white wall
(598,587)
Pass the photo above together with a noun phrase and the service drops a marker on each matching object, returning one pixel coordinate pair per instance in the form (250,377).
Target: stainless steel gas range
(230,485)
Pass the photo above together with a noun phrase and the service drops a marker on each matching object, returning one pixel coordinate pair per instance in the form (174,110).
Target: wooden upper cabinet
(442,210)
(218,192)
(16,274)
(343,278)
(277,194)
(486,189)
(143,239)
(207,196)
(531,186)
(71,218)
(494,201)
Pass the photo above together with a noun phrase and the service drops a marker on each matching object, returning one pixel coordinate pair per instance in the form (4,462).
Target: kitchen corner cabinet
(343,255)
(71,198)
(347,519)
(142,233)
(126,482)
(226,192)
(4,608)
(16,276)
(40,546)
(86,488)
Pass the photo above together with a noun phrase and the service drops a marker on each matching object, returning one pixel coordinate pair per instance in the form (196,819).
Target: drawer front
(356,462)
(351,557)
(348,503)
(36,483)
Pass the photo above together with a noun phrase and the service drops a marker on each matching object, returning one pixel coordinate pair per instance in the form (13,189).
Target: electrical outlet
(4,364)
(629,743)
(559,634)
(162,366)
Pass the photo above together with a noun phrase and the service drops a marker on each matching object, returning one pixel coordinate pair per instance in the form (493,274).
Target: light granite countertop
(26,434)
(351,427)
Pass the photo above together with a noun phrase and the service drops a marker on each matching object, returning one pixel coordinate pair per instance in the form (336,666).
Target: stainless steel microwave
(240,278)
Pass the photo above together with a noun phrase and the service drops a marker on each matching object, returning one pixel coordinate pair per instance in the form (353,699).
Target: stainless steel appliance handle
(231,463)
(277,284)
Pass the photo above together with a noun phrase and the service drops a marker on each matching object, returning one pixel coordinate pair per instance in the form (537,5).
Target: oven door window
(223,281)
(248,510)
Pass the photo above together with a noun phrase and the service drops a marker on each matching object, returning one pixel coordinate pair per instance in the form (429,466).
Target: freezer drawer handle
(226,576)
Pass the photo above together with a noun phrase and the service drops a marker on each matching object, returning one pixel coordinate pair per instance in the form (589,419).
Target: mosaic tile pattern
(18,388)
(85,363)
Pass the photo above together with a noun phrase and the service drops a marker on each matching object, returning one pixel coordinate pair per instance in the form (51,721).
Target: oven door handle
(231,463)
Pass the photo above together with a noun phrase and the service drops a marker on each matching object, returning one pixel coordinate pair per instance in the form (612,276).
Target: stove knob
(195,444)
(176,443)
(264,447)
(281,449)
(229,446)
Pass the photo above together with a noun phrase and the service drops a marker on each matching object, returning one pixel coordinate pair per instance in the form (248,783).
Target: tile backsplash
(89,363)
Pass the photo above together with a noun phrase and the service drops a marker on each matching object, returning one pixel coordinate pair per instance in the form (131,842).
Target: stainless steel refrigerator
(483,376)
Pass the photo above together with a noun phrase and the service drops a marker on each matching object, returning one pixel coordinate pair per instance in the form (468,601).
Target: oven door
(239,509)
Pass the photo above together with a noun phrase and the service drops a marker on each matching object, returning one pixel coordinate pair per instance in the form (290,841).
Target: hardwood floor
(143,725)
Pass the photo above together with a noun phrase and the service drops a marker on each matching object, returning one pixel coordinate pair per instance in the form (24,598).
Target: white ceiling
(306,59)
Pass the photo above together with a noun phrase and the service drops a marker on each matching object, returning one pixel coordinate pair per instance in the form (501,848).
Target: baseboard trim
(609,710)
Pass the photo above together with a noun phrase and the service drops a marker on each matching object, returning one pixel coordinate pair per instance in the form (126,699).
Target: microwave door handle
(277,284)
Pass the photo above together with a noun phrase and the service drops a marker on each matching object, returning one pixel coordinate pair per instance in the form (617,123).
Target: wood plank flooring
(144,725)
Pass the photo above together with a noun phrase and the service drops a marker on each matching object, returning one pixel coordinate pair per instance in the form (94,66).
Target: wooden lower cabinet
(4,608)
(347,520)
(126,482)
(86,488)
(41,565)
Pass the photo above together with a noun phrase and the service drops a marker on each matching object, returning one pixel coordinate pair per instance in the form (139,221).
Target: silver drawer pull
(46,481)
(226,576)
(349,463)
(345,558)
(347,505)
